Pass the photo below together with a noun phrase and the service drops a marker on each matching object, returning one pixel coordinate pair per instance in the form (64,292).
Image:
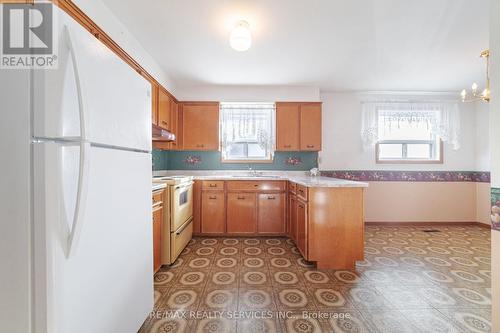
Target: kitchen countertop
(296,177)
(158,186)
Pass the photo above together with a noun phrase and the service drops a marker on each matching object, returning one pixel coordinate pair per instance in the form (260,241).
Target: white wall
(342,146)
(482,136)
(107,21)
(249,93)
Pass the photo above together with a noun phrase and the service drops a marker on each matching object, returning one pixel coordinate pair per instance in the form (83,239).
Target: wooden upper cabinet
(298,126)
(271,216)
(154,103)
(310,126)
(241,213)
(164,109)
(287,126)
(200,126)
(174,124)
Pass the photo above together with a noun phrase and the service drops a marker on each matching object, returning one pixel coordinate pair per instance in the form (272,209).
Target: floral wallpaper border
(410,176)
(495,208)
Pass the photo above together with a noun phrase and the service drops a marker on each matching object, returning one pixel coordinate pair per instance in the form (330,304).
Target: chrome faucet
(252,172)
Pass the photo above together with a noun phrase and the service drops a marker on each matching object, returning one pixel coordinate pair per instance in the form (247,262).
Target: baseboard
(428,223)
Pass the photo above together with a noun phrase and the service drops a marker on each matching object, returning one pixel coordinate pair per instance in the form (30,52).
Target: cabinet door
(292,215)
(287,126)
(302,228)
(271,216)
(200,126)
(174,127)
(212,212)
(164,107)
(157,226)
(310,126)
(154,104)
(241,213)
(197,207)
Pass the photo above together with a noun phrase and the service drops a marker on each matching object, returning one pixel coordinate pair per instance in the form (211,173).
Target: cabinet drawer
(292,187)
(302,192)
(157,197)
(212,184)
(180,238)
(255,185)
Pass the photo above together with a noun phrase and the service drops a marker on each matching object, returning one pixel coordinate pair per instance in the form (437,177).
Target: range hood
(160,134)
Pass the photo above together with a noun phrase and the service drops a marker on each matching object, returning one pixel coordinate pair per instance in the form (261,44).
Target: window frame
(246,161)
(438,143)
(267,160)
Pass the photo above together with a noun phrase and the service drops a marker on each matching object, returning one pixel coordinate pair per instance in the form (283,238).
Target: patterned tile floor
(411,281)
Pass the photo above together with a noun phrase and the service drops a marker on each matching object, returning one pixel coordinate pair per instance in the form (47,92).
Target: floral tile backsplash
(410,176)
(211,160)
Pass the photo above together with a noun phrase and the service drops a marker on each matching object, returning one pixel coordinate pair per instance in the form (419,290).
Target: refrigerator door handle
(81,103)
(81,199)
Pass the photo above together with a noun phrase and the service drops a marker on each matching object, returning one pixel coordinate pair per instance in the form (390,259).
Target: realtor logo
(27,36)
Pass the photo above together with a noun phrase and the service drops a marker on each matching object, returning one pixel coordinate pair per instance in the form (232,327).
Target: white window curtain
(248,122)
(443,120)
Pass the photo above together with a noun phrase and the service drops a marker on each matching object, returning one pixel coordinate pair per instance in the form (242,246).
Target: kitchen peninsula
(323,216)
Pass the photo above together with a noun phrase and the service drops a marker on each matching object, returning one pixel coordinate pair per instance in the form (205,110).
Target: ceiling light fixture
(485,94)
(241,37)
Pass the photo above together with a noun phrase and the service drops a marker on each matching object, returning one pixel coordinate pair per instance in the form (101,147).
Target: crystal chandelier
(475,95)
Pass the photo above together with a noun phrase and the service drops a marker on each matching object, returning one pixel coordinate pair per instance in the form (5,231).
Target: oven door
(182,205)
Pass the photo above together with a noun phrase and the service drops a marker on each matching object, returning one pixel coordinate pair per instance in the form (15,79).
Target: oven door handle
(178,187)
(178,232)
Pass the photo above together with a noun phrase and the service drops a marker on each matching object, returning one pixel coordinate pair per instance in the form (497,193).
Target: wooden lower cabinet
(240,207)
(271,213)
(213,211)
(302,222)
(326,223)
(240,217)
(157,228)
(197,207)
(292,216)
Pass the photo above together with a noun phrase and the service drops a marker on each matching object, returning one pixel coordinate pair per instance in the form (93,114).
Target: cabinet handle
(212,197)
(212,185)
(164,122)
(255,185)
(200,145)
(301,206)
(310,146)
(271,198)
(287,146)
(241,198)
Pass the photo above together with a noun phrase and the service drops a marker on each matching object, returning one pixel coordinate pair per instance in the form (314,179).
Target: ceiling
(336,45)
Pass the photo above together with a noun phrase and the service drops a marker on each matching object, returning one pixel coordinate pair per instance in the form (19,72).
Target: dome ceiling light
(241,37)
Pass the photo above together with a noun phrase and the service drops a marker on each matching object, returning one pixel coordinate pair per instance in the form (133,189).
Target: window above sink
(247,132)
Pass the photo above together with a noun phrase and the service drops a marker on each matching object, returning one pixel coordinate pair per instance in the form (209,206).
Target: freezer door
(104,283)
(92,93)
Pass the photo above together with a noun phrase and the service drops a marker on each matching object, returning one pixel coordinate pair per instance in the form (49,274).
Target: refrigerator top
(92,95)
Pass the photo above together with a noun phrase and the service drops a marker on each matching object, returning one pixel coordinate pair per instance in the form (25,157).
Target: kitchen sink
(255,176)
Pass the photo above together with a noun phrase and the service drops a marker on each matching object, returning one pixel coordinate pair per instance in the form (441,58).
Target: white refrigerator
(76,192)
